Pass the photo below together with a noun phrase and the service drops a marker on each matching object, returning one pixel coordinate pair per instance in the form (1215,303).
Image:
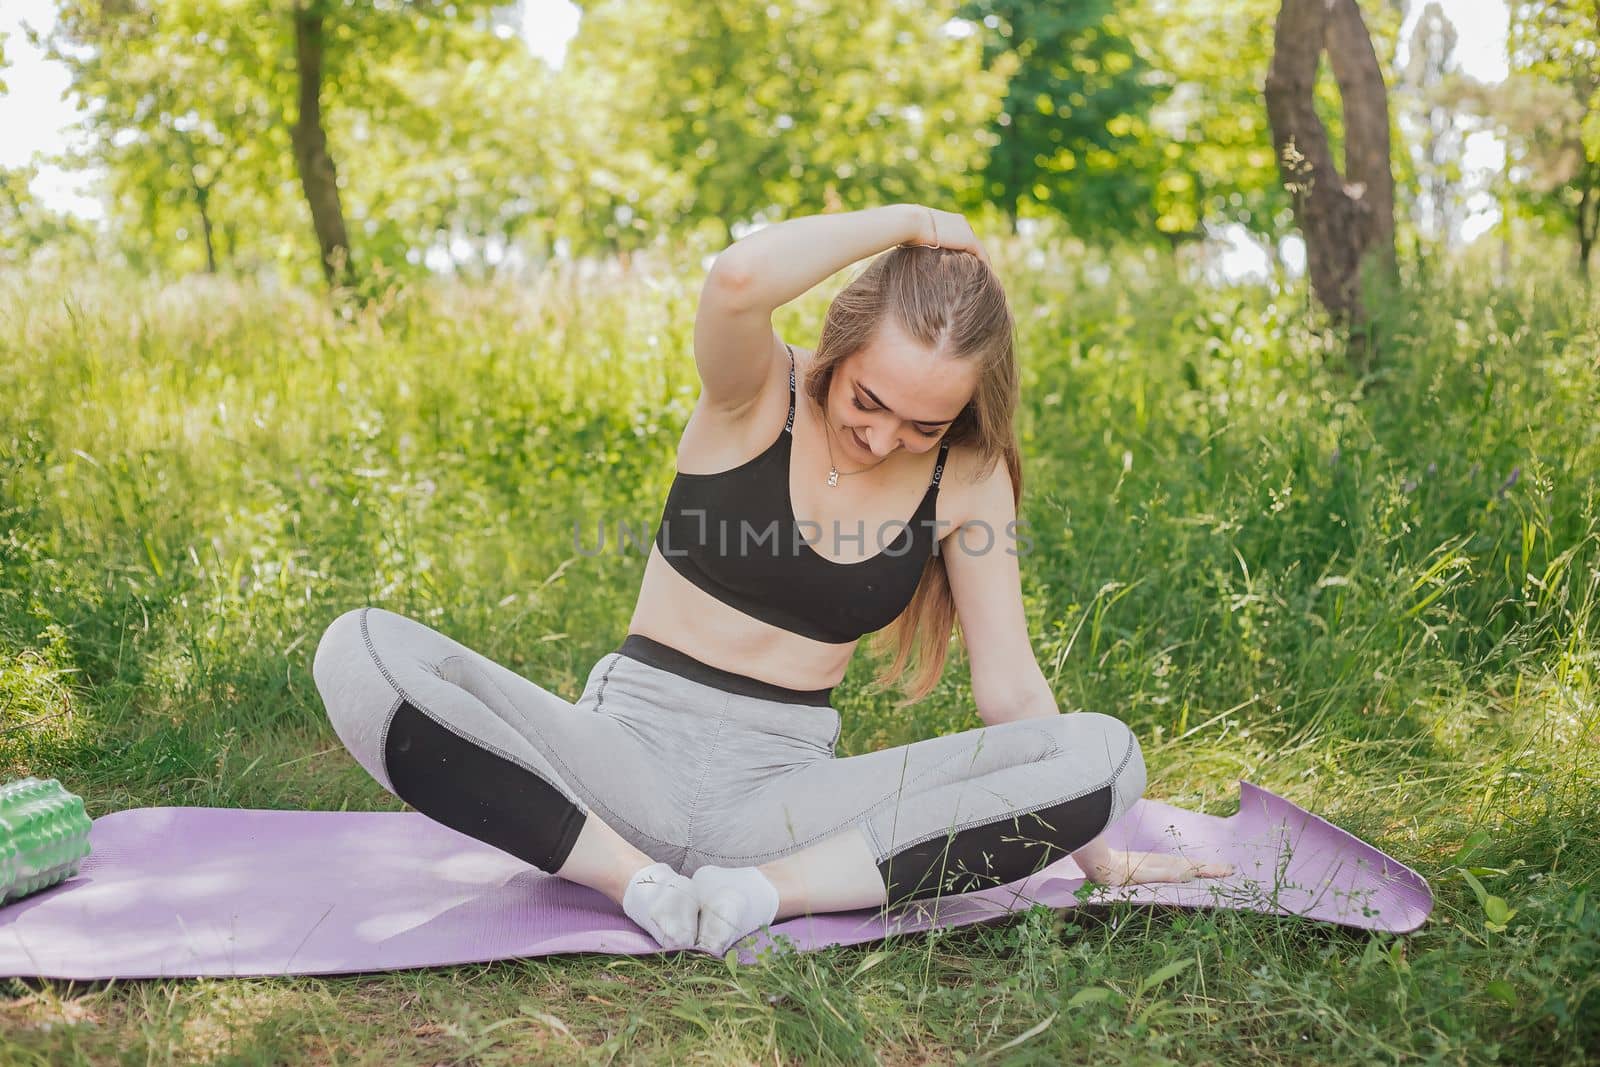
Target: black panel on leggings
(995,853)
(480,794)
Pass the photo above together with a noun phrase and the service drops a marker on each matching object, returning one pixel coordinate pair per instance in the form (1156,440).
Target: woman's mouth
(862,445)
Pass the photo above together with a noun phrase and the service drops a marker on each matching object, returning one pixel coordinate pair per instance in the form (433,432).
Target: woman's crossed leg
(490,754)
(948,814)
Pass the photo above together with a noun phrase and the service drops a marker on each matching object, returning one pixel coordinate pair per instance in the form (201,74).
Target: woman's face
(895,394)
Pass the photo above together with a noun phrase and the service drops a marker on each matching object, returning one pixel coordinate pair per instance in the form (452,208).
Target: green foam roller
(44,835)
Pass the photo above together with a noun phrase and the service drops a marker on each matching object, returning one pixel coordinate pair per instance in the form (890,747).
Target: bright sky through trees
(37,121)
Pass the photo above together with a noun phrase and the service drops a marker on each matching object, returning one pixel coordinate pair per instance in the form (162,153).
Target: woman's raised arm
(778,263)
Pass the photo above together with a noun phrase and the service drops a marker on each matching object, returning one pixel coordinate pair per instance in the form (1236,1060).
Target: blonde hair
(951,302)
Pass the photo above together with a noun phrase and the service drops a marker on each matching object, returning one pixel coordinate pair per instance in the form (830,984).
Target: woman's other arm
(981,558)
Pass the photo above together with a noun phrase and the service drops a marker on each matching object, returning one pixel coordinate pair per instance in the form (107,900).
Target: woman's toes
(734,901)
(678,926)
(664,904)
(719,925)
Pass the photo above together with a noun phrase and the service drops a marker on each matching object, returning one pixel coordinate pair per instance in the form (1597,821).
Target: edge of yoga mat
(1281,853)
(163,893)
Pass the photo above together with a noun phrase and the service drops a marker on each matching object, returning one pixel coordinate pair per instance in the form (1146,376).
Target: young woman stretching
(704,745)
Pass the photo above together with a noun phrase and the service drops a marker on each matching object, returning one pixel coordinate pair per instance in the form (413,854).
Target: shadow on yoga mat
(169,892)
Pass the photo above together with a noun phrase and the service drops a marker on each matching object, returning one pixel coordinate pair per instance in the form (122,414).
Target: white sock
(664,903)
(734,901)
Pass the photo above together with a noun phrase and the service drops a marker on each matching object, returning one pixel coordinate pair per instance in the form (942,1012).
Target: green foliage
(751,107)
(1073,135)
(669,122)
(31,232)
(185,106)
(1215,160)
(191,104)
(1552,46)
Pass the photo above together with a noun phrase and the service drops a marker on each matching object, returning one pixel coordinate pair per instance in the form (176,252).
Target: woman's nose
(877,442)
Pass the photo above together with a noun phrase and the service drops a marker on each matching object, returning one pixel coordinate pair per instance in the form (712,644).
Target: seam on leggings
(383,736)
(749,859)
(366,638)
(904,787)
(587,795)
(872,837)
(600,693)
(545,748)
(612,817)
(508,757)
(694,804)
(863,818)
(1107,784)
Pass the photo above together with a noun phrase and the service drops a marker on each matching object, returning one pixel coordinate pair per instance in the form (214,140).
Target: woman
(704,745)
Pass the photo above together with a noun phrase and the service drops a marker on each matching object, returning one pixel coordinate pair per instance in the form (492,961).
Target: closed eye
(861,407)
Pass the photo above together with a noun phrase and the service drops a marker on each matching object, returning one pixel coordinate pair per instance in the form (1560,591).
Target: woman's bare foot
(1114,866)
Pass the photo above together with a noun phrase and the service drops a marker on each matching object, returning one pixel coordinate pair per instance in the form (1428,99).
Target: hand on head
(950,229)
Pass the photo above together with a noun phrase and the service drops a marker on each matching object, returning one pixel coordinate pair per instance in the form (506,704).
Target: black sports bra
(734,534)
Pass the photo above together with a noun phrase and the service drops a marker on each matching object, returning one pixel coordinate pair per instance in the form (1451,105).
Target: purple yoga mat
(170,892)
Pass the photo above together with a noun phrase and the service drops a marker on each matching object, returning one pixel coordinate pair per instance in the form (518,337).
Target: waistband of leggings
(665,657)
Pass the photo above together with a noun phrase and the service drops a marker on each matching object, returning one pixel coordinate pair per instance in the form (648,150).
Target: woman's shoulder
(971,487)
(803,359)
(964,466)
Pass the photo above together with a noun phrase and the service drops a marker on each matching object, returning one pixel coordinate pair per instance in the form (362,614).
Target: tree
(1073,135)
(318,175)
(1216,159)
(746,108)
(1428,98)
(178,121)
(205,114)
(1555,41)
(1216,164)
(1348,219)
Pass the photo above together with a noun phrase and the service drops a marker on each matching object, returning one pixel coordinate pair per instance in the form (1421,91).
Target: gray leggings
(695,765)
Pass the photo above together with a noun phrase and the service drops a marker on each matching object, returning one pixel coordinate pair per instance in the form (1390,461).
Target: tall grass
(1377,597)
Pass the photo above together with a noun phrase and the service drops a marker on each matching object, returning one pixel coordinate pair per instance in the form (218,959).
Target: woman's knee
(1113,752)
(1127,773)
(355,689)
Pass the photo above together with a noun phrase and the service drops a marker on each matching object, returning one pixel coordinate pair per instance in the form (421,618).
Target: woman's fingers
(955,232)
(950,229)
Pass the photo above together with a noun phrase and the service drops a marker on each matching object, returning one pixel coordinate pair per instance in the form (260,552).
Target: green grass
(1335,589)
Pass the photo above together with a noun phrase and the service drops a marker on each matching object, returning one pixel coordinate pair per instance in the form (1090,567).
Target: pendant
(833,476)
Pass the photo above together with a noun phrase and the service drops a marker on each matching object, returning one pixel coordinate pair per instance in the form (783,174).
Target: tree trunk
(1346,220)
(202,195)
(317,177)
(1587,216)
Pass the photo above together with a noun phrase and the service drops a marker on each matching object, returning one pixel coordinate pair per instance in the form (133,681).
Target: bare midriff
(673,610)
